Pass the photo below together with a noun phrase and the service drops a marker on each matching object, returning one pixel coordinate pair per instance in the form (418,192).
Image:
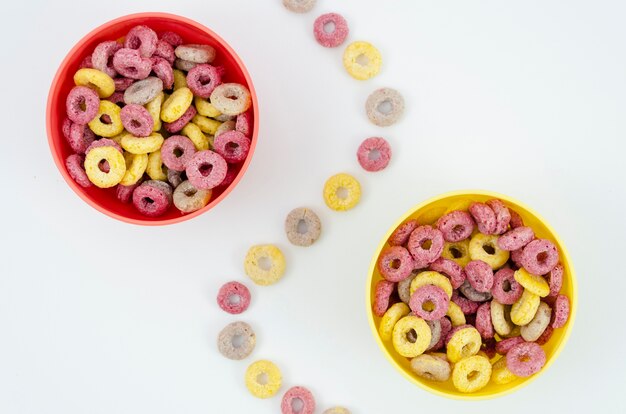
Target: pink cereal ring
(176,152)
(137,120)
(479,275)
(516,239)
(152,198)
(163,69)
(76,170)
(503,215)
(166,51)
(374,154)
(382,295)
(121,84)
(451,269)
(297,393)
(102,56)
(484,216)
(82,104)
(401,235)
(179,124)
(433,294)
(203,79)
(425,245)
(172,38)
(560,312)
(456,226)
(124,193)
(516,220)
(129,63)
(516,257)
(80,138)
(206,170)
(467,306)
(506,289)
(233,146)
(483,321)
(243,123)
(505,345)
(233,297)
(555,279)
(539,256)
(395,264)
(525,359)
(143,39)
(334,37)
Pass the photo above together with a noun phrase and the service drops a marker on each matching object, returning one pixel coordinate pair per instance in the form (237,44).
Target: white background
(528,99)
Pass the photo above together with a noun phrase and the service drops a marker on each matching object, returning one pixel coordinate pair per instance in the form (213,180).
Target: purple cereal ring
(129,63)
(82,104)
(425,245)
(166,51)
(401,235)
(505,345)
(560,311)
(172,38)
(244,123)
(516,257)
(433,294)
(483,321)
(479,275)
(232,145)
(334,37)
(545,336)
(80,138)
(117,98)
(374,154)
(456,226)
(516,220)
(503,215)
(176,152)
(233,297)
(206,170)
(152,198)
(102,57)
(555,280)
(484,216)
(297,393)
(142,38)
(395,264)
(525,359)
(124,193)
(506,289)
(203,79)
(467,306)
(382,295)
(137,120)
(179,124)
(76,170)
(539,256)
(451,269)
(121,84)
(164,71)
(516,239)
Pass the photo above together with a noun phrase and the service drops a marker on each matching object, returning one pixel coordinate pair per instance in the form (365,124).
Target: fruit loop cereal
(152,198)
(505,288)
(425,245)
(330,29)
(82,105)
(401,235)
(342,192)
(485,248)
(236,341)
(303,227)
(233,146)
(457,252)
(362,60)
(264,264)
(94,166)
(401,342)
(206,169)
(299,6)
(256,385)
(450,269)
(337,410)
(395,263)
(382,294)
(384,107)
(471,374)
(374,154)
(433,295)
(231,98)
(525,359)
(390,318)
(297,393)
(431,367)
(456,226)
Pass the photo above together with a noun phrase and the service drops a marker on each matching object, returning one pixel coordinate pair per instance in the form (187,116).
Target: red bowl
(104,200)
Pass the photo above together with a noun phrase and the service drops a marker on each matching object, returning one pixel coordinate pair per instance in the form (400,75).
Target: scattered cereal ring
(302,226)
(298,394)
(176,105)
(176,152)
(236,341)
(382,294)
(233,146)
(82,104)
(485,247)
(503,216)
(433,295)
(516,238)
(505,288)
(401,342)
(266,389)
(479,275)
(395,263)
(143,39)
(523,311)
(337,33)
(457,318)
(137,120)
(362,60)
(80,137)
(225,127)
(374,154)
(500,374)
(457,252)
(431,367)
(193,132)
(505,345)
(203,79)
(74,165)
(533,283)
(431,278)
(467,306)
(401,235)
(195,53)
(425,245)
(299,6)
(142,145)
(264,264)
(404,288)
(337,410)
(117,166)
(539,256)
(471,374)
(180,80)
(484,216)
(525,359)
(384,107)
(342,192)
(456,226)
(231,98)
(155,166)
(152,198)
(472,294)
(96,80)
(172,38)
(535,328)
(463,343)
(188,198)
(143,91)
(501,318)
(483,321)
(390,318)
(206,170)
(102,56)
(135,167)
(107,111)
(560,314)
(555,279)
(451,269)
(233,297)
(129,63)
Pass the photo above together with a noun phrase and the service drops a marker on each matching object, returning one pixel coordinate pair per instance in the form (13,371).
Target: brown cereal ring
(188,198)
(231,98)
(303,227)
(143,91)
(374,106)
(236,341)
(536,327)
(299,6)
(184,65)
(472,294)
(404,288)
(431,367)
(435,332)
(195,53)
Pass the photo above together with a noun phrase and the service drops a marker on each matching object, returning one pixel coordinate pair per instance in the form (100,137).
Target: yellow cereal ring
(535,284)
(464,343)
(96,80)
(471,374)
(523,311)
(462,205)
(142,145)
(485,247)
(362,60)
(135,167)
(431,367)
(155,168)
(207,125)
(175,106)
(107,130)
(390,318)
(458,251)
(117,166)
(193,132)
(500,374)
(456,315)
(431,278)
(342,192)
(501,318)
(154,108)
(270,371)
(264,264)
(180,80)
(205,108)
(401,342)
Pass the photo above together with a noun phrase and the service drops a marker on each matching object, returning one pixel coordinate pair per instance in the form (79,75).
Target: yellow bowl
(427,213)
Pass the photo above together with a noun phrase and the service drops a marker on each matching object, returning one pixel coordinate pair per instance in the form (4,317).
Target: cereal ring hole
(362,60)
(411,336)
(506,285)
(542,257)
(234,299)
(237,341)
(135,124)
(205,169)
(329,27)
(342,193)
(105,119)
(426,244)
(456,253)
(428,306)
(489,249)
(265,263)
(385,107)
(178,152)
(302,227)
(297,405)
(262,378)
(473,375)
(373,155)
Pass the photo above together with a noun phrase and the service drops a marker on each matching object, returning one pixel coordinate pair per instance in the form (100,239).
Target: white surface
(97,316)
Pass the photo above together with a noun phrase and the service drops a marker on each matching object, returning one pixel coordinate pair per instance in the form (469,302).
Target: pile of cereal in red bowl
(153,119)
(471,299)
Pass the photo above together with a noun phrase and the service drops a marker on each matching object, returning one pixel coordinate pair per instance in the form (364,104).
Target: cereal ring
(337,33)
(505,288)
(80,137)
(154,108)
(176,152)
(231,98)
(74,165)
(143,91)
(225,127)
(96,80)
(382,294)
(152,198)
(342,192)
(362,60)
(164,71)
(431,278)
(299,6)
(102,56)
(545,336)
(165,51)
(390,318)
(302,226)
(180,80)
(463,343)
(130,64)
(155,166)
(175,178)
(176,105)
(135,167)
(479,275)
(258,370)
(503,216)
(434,295)
(539,256)
(446,327)
(402,344)
(205,108)
(472,294)
(86,63)
(560,315)
(208,125)
(337,410)
(484,216)
(516,220)
(525,359)
(172,38)
(143,39)
(516,256)
(236,341)
(500,374)
(555,280)
(124,193)
(516,239)
(137,120)
(232,145)
(485,247)
(535,328)
(264,264)
(483,321)
(430,367)
(467,306)
(457,252)
(121,84)
(117,98)
(94,160)
(104,142)
(435,333)
(451,269)
(425,245)
(533,283)
(374,154)
(471,374)
(107,122)
(404,288)
(294,394)
(206,169)
(142,145)
(193,132)
(82,104)
(195,53)
(456,226)
(401,235)
(523,311)
(233,297)
(501,318)
(224,117)
(188,198)
(505,345)
(184,65)
(456,315)
(180,123)
(203,79)
(395,263)
(243,123)
(384,107)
